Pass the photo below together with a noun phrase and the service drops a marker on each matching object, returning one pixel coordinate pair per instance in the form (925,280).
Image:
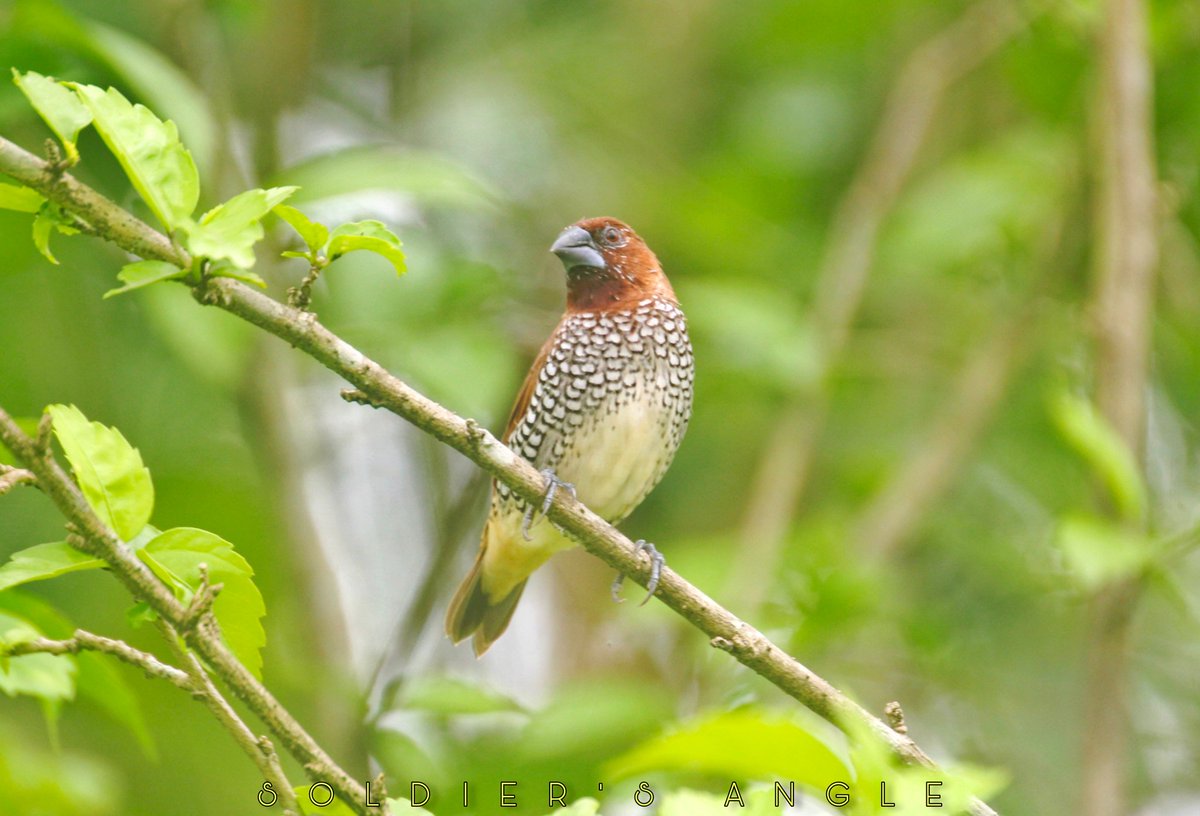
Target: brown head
(608,265)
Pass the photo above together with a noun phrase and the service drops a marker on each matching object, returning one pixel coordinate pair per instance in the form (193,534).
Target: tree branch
(84,641)
(1126,255)
(92,536)
(11,477)
(303,331)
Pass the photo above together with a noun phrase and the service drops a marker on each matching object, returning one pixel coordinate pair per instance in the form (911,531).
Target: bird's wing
(527,388)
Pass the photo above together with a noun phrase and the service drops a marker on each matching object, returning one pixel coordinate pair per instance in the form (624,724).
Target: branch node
(724,644)
(11,477)
(895,717)
(56,164)
(378,785)
(299,297)
(41,443)
(360,397)
(201,603)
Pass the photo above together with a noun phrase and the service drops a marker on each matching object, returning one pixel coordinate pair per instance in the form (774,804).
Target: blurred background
(882,222)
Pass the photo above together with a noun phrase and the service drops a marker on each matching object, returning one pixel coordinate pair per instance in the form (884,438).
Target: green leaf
(98,679)
(143,273)
(404,807)
(176,556)
(57,105)
(1097,442)
(149,150)
(428,178)
(224,269)
(229,231)
(448,695)
(587,806)
(369,235)
(43,225)
(743,744)
(45,676)
(1099,552)
(695,803)
(44,561)
(109,470)
(160,81)
(21,199)
(313,234)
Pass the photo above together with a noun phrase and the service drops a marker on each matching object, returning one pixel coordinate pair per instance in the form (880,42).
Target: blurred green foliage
(727,134)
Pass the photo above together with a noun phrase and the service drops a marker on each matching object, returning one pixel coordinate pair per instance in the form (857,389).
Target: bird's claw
(554,484)
(656,565)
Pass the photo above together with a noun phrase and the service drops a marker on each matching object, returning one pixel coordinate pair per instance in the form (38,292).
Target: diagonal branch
(303,331)
(91,535)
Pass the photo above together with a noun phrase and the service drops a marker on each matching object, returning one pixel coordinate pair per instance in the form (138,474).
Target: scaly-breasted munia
(602,409)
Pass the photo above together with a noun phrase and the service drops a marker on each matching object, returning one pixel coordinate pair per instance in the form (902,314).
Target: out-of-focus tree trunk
(1126,254)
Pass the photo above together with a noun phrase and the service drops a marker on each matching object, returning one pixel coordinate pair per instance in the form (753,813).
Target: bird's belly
(619,452)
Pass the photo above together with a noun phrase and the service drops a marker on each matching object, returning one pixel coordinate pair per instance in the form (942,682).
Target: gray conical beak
(575,248)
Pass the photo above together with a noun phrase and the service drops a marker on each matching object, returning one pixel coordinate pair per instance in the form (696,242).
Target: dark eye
(611,236)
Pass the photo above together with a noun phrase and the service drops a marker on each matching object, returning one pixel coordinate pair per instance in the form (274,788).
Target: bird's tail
(472,612)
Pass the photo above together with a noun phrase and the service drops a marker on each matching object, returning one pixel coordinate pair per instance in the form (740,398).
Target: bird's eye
(611,236)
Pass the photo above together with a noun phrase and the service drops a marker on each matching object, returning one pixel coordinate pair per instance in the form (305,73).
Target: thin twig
(81,641)
(11,477)
(301,330)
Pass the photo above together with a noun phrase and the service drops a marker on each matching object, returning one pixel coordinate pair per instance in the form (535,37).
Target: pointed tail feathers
(472,612)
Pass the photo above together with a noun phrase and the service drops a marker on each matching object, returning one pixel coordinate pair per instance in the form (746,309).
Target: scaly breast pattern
(611,405)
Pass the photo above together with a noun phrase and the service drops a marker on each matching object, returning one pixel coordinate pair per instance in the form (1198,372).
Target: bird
(601,413)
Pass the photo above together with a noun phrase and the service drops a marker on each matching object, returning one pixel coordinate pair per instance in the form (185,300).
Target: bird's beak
(575,248)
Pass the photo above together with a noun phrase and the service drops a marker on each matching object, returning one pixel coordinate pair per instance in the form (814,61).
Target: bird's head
(608,264)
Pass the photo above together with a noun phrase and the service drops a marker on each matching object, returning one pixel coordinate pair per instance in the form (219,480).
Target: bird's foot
(656,565)
(554,484)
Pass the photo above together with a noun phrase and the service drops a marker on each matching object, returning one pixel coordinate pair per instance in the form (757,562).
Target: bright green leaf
(225,269)
(48,677)
(587,806)
(44,561)
(1098,552)
(448,695)
(369,235)
(176,556)
(109,470)
(149,150)
(160,81)
(98,679)
(229,231)
(313,234)
(404,807)
(1095,440)
(21,199)
(143,273)
(695,803)
(743,744)
(57,105)
(43,225)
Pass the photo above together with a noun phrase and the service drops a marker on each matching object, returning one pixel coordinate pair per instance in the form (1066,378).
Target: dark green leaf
(313,234)
(44,561)
(109,470)
(149,150)
(143,273)
(369,235)
(229,231)
(57,105)
(176,556)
